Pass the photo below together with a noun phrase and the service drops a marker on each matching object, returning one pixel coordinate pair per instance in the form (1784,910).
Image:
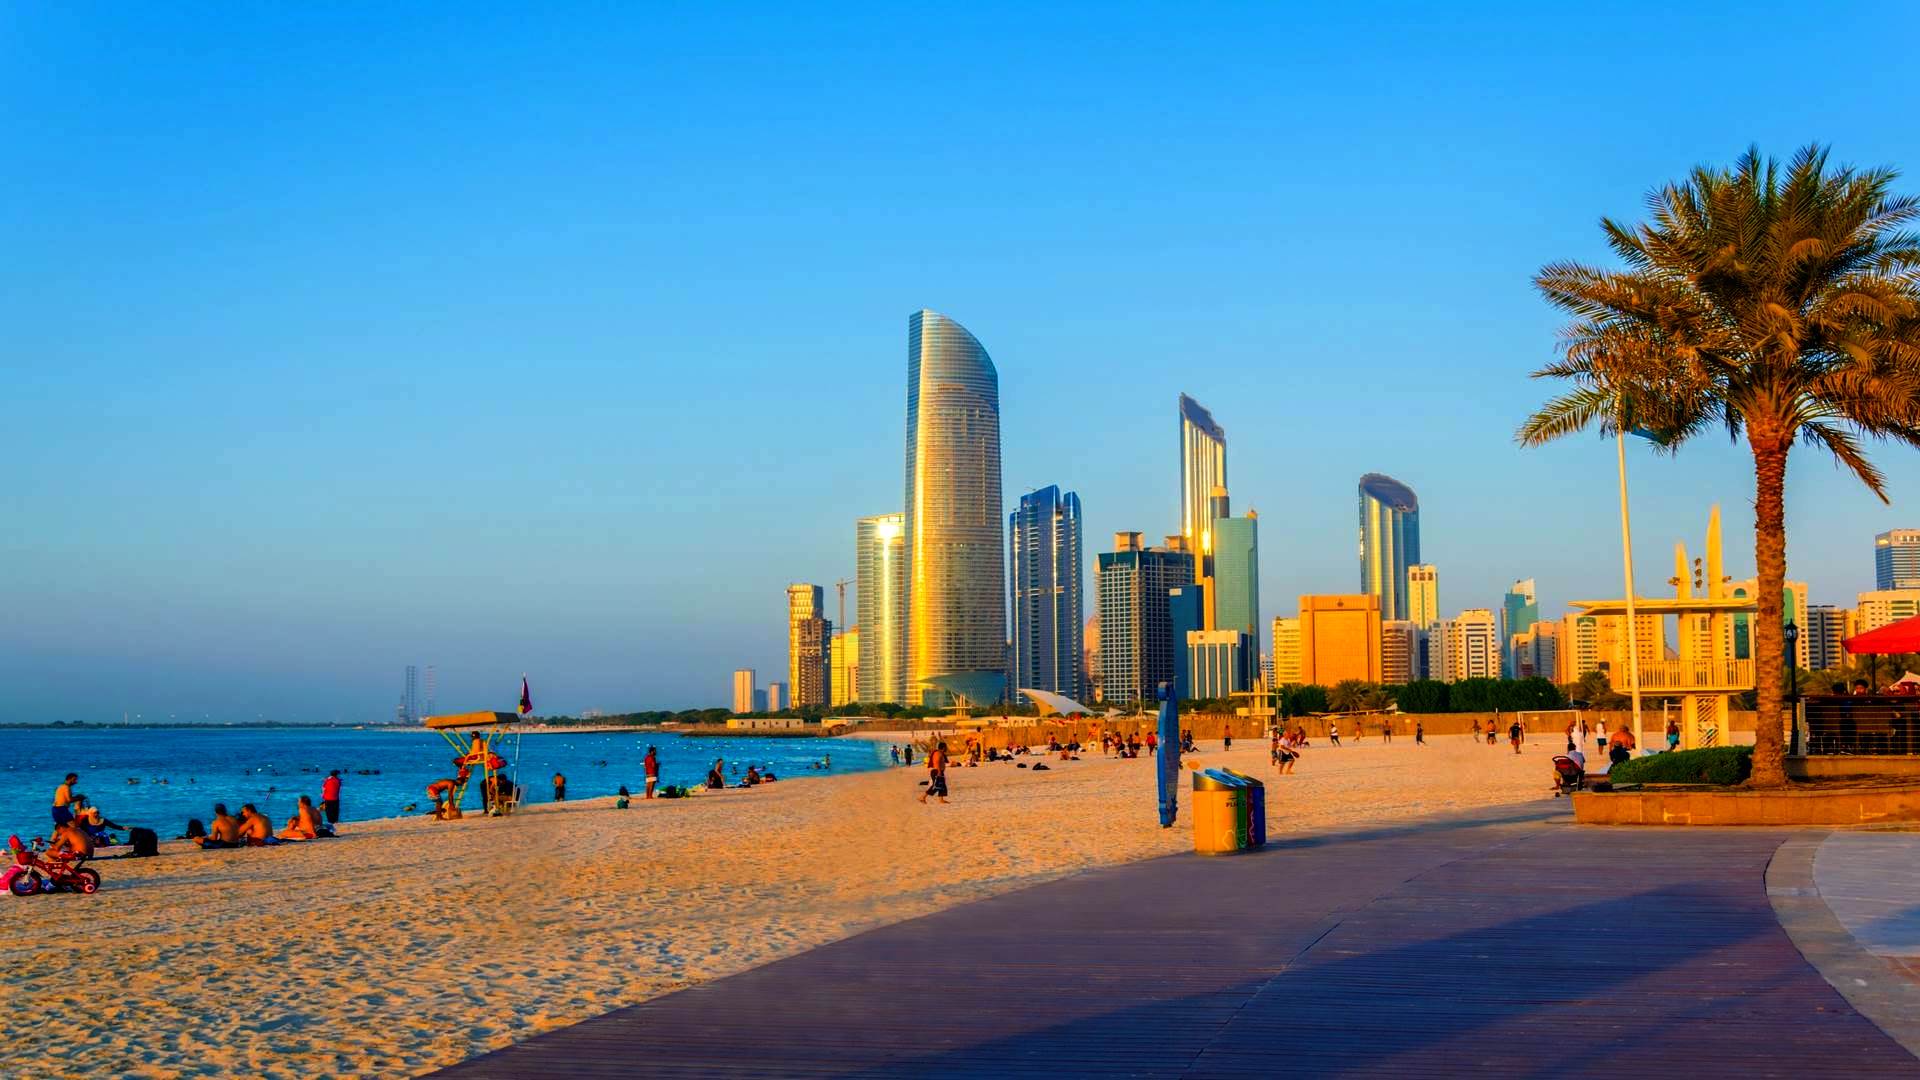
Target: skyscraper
(1048,602)
(410,703)
(1399,649)
(809,645)
(1468,647)
(1236,575)
(1185,614)
(844,674)
(1423,595)
(1827,626)
(956,579)
(1519,610)
(743,691)
(880,575)
(1389,541)
(777,700)
(1136,632)
(1896,559)
(1218,663)
(1286,652)
(1203,467)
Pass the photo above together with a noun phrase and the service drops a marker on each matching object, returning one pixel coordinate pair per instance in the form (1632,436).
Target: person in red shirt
(652,764)
(330,797)
(936,773)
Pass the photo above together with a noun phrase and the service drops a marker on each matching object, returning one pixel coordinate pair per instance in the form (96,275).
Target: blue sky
(559,339)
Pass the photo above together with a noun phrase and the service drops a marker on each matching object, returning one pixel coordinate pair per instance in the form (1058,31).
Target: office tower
(1827,626)
(1048,603)
(1266,672)
(1090,667)
(1136,632)
(410,704)
(1286,652)
(1219,663)
(759,701)
(1883,607)
(1469,646)
(1519,610)
(743,692)
(809,645)
(1339,639)
(880,576)
(1389,541)
(433,692)
(1423,595)
(777,697)
(1236,574)
(1535,652)
(843,680)
(1185,614)
(1399,651)
(1588,643)
(1203,467)
(1793,609)
(956,579)
(1896,560)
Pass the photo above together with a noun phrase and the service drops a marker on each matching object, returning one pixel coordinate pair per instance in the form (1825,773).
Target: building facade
(1882,607)
(1519,610)
(744,694)
(1236,575)
(880,577)
(1136,630)
(1286,652)
(1203,467)
(1339,639)
(1469,646)
(956,573)
(1219,663)
(1389,541)
(844,676)
(1896,559)
(1588,643)
(776,698)
(1793,609)
(1827,627)
(809,645)
(1423,595)
(1399,650)
(1185,614)
(1049,605)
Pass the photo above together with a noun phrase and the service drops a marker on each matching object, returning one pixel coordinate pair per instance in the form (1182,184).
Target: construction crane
(841,586)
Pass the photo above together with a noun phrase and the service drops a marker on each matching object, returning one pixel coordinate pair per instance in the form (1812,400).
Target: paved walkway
(1871,882)
(1502,945)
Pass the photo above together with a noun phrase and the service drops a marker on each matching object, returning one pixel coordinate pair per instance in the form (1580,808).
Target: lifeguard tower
(482,742)
(1706,675)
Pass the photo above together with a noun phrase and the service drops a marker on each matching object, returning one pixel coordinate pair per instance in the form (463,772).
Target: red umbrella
(1900,637)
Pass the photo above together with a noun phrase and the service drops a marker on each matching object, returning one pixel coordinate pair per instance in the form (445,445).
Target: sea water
(160,777)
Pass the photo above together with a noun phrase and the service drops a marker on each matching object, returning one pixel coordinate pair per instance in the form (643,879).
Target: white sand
(409,944)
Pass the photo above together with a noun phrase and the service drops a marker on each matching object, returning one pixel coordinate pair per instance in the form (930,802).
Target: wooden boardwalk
(1490,946)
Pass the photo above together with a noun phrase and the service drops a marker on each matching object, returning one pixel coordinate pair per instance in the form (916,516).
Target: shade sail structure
(469,719)
(1900,637)
(1050,702)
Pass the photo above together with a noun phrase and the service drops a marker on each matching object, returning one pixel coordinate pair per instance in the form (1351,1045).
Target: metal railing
(1863,724)
(1681,676)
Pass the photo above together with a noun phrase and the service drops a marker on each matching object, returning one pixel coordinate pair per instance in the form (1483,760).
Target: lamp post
(1793,695)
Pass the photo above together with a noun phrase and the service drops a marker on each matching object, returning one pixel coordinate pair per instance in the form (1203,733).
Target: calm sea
(161,777)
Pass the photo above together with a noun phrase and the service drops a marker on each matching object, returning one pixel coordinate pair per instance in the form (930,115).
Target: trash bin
(1256,807)
(1219,813)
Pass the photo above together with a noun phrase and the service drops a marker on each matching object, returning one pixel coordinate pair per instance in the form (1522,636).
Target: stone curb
(1869,983)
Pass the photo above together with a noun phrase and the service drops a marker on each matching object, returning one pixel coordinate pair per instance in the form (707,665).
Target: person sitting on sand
(622,800)
(255,830)
(753,777)
(305,822)
(224,832)
(96,824)
(71,842)
(716,776)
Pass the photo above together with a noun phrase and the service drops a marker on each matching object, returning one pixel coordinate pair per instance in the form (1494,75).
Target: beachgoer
(907,752)
(1578,757)
(753,777)
(1386,731)
(1333,732)
(1153,743)
(89,818)
(1419,733)
(621,800)
(70,841)
(1620,747)
(441,792)
(717,776)
(1493,736)
(559,787)
(63,797)
(1673,735)
(1286,754)
(1226,737)
(305,822)
(255,830)
(1600,738)
(936,773)
(225,830)
(651,763)
(895,749)
(330,797)
(1516,735)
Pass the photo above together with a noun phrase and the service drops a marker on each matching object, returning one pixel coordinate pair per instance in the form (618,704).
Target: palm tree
(1783,304)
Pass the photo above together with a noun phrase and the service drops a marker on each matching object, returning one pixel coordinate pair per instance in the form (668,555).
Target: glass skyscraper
(880,575)
(1236,575)
(1136,627)
(956,576)
(1203,467)
(809,645)
(1048,602)
(1896,559)
(1389,541)
(1519,610)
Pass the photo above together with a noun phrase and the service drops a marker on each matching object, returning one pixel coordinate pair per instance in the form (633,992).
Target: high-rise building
(1236,575)
(1588,643)
(1218,663)
(1882,607)
(1136,631)
(1519,610)
(1793,609)
(1827,626)
(956,576)
(1389,541)
(743,691)
(1185,614)
(880,577)
(1535,653)
(1469,646)
(1339,638)
(1090,667)
(809,645)
(759,701)
(1048,603)
(1286,652)
(1896,559)
(777,697)
(1203,467)
(844,680)
(1423,595)
(1399,650)
(433,692)
(410,701)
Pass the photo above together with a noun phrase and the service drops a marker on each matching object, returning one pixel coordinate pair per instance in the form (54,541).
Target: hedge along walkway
(1486,945)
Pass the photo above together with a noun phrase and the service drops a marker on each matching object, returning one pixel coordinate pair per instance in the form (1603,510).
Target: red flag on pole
(526,697)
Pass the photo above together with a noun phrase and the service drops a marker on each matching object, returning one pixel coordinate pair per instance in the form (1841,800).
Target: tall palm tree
(1781,303)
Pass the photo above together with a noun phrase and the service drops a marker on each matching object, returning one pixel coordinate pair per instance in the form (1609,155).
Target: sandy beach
(410,944)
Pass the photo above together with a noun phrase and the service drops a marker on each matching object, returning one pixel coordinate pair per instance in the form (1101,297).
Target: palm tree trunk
(1770,560)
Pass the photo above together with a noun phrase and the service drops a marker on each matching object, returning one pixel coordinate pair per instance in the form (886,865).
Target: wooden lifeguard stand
(1706,675)
(483,741)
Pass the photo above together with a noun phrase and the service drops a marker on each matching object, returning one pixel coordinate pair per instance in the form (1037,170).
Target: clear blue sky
(559,340)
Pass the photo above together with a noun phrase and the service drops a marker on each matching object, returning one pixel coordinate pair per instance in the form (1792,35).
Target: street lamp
(1793,675)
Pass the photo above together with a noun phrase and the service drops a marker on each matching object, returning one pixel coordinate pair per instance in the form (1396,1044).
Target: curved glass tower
(1389,541)
(956,574)
(1203,467)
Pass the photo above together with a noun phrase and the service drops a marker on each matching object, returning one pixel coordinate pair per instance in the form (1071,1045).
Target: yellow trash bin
(1219,814)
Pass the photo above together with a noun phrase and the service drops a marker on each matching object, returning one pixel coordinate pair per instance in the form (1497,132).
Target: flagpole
(1626,559)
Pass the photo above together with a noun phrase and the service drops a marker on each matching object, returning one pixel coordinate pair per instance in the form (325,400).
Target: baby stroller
(1568,776)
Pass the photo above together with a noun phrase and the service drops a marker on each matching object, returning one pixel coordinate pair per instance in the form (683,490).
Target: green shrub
(1713,765)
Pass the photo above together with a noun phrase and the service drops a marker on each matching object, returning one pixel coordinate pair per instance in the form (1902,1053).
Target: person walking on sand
(1333,732)
(559,787)
(1419,733)
(330,797)
(1673,735)
(651,763)
(1517,735)
(1226,736)
(936,773)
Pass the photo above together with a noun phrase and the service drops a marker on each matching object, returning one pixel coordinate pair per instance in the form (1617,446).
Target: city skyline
(242,452)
